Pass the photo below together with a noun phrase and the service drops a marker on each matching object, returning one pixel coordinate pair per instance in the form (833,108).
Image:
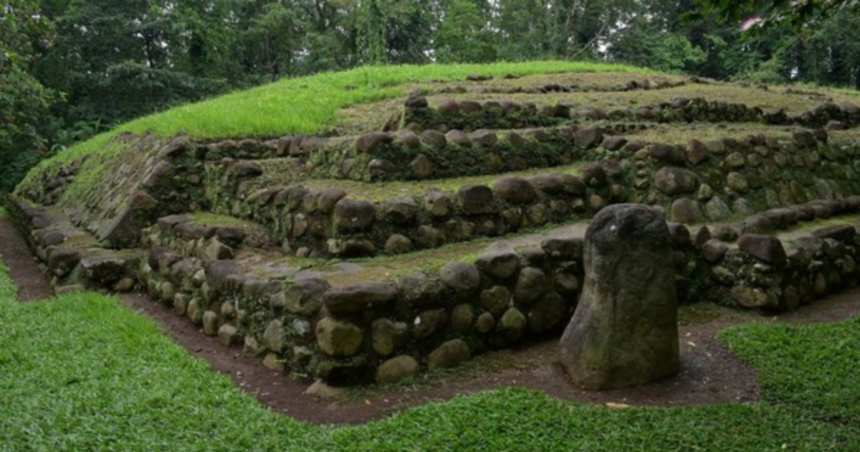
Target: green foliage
(672,52)
(812,367)
(772,13)
(462,35)
(269,46)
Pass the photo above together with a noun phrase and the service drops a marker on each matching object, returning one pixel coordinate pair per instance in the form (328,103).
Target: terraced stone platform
(449,221)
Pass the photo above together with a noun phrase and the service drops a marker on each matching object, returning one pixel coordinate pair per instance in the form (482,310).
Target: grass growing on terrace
(82,372)
(309,105)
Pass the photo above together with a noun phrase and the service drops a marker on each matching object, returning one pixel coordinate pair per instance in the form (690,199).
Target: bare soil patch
(23,265)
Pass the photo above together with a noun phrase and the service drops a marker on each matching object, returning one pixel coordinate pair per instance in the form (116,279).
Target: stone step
(353,219)
(687,103)
(72,257)
(351,321)
(207,236)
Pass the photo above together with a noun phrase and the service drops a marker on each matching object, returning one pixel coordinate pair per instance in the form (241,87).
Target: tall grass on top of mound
(309,105)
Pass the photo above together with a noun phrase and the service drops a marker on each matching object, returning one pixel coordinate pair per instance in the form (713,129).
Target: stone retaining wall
(470,115)
(73,258)
(711,181)
(390,329)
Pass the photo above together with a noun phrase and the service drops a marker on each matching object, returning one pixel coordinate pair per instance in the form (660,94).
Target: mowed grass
(84,373)
(310,105)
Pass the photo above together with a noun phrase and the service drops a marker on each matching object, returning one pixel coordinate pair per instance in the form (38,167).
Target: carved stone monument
(625,329)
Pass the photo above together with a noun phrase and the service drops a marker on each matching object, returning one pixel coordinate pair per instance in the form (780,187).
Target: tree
(117,60)
(394,31)
(463,36)
(270,43)
(757,15)
(24,102)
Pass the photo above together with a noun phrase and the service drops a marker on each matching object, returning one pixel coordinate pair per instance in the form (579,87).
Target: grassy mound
(308,105)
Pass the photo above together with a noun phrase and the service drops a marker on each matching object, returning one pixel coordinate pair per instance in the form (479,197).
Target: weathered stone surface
(438,203)
(429,322)
(531,285)
(751,298)
(717,209)
(396,369)
(407,138)
(420,290)
(398,244)
(462,318)
(843,233)
(687,211)
(512,325)
(338,338)
(450,354)
(387,335)
(434,138)
(210,323)
(673,181)
(588,138)
(515,190)
(369,142)
(498,264)
(51,237)
(666,154)
(305,296)
(228,335)
(458,138)
(476,200)
(614,143)
(246,169)
(593,175)
(273,336)
(612,168)
(714,250)
(563,248)
(103,271)
(697,152)
(218,251)
(328,198)
(401,210)
(351,215)
(166,224)
(738,182)
(485,323)
(461,277)
(547,313)
(625,329)
(416,101)
(359,297)
(62,261)
(323,391)
(422,166)
(273,362)
(496,299)
(764,247)
(429,237)
(485,138)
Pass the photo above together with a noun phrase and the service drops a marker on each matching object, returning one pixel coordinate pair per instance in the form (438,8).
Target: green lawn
(81,372)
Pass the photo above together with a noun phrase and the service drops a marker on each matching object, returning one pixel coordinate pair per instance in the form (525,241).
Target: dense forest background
(72,68)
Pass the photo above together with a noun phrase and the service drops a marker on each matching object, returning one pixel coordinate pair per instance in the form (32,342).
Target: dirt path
(23,266)
(710,373)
